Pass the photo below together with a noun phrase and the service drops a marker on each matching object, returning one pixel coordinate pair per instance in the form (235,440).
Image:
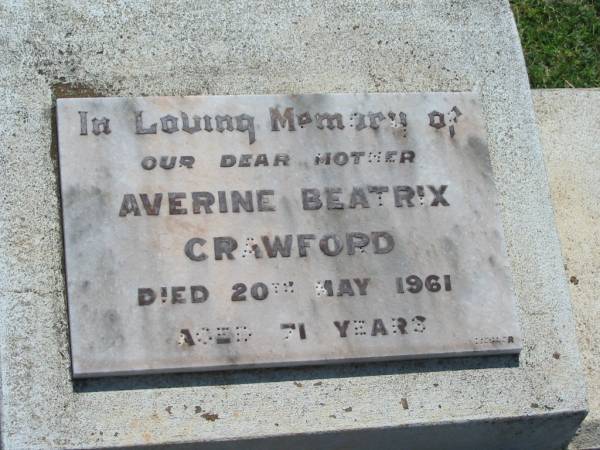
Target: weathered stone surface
(280,230)
(108,48)
(570,137)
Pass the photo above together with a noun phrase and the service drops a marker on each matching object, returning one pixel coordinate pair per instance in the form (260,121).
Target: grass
(561,41)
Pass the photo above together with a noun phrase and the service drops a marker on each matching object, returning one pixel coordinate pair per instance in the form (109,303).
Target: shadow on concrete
(274,375)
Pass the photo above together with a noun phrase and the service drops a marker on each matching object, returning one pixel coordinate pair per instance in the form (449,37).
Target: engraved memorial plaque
(227,232)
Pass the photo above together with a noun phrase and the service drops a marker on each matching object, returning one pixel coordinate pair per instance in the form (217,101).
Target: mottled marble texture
(168,271)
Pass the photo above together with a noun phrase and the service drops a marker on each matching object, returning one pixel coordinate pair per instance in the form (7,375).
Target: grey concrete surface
(53,49)
(570,136)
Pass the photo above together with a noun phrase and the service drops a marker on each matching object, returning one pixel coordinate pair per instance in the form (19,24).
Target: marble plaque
(228,232)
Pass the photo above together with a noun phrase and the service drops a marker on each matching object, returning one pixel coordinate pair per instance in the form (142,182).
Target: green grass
(561,41)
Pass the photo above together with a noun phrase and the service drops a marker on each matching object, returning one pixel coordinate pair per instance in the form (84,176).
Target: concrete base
(103,48)
(570,137)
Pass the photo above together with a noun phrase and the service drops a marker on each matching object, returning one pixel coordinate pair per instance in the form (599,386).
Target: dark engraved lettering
(375,118)
(345,288)
(340,158)
(100,126)
(325,159)
(377,189)
(187,336)
(356,240)
(152,209)
(263,200)
(238,292)
(288,326)
(277,120)
(342,327)
(358,197)
(277,246)
(83,123)
(407,156)
(146,296)
(337,245)
(167,163)
(261,160)
(245,201)
(259,291)
(224,245)
(189,249)
(169,124)
(401,325)
(222,201)
(281,158)
(403,194)
(244,122)
(220,120)
(202,200)
(447,284)
(402,119)
(228,160)
(139,125)
(330,118)
(245,160)
(390,156)
(207,123)
(129,205)
(311,199)
(360,124)
(414,283)
(439,195)
(421,194)
(175,203)
(388,244)
(419,324)
(362,284)
(176,296)
(292,326)
(257,251)
(356,156)
(378,328)
(399,285)
(436,120)
(304,119)
(333,199)
(185,123)
(454,119)
(304,243)
(328,286)
(302,331)
(198,293)
(187,161)
(149,162)
(223,335)
(432,283)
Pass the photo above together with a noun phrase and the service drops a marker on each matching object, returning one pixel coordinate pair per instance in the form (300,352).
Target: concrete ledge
(469,435)
(104,48)
(568,123)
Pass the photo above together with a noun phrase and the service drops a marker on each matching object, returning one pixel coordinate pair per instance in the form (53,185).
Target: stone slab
(370,235)
(142,48)
(571,143)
